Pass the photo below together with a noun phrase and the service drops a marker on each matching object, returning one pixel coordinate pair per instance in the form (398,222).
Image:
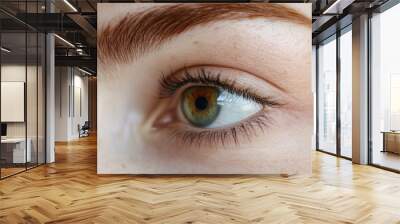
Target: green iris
(199,105)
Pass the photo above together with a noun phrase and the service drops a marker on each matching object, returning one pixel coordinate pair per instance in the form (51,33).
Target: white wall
(70,83)
(79,117)
(50,93)
(33,127)
(62,81)
(360,90)
(12,73)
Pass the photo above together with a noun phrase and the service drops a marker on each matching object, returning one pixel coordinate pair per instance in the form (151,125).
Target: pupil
(201,103)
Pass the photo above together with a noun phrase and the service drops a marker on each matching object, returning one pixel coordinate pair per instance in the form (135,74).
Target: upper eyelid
(186,68)
(137,33)
(170,84)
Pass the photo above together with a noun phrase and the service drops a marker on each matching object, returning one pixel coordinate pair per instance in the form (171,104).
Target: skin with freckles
(258,61)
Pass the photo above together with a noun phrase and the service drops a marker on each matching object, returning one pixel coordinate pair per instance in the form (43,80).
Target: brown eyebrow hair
(136,33)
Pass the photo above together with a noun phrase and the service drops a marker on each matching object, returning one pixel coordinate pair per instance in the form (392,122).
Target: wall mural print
(204,88)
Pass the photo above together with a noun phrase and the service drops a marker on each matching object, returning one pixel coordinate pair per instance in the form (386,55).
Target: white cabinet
(18,149)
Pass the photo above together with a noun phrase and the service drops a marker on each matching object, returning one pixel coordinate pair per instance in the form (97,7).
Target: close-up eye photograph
(206,88)
(199,111)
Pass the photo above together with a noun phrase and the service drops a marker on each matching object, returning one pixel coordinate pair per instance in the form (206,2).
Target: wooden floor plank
(70,191)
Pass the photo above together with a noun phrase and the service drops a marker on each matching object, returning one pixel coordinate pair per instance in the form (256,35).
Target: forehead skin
(118,11)
(127,38)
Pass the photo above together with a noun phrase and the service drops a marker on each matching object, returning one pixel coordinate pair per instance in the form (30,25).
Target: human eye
(208,106)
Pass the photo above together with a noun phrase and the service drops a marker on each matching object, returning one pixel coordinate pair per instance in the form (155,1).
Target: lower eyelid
(178,133)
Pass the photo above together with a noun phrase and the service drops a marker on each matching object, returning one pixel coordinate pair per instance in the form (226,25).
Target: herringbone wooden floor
(69,191)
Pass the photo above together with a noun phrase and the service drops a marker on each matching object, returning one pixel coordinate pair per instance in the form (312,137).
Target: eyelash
(212,137)
(171,84)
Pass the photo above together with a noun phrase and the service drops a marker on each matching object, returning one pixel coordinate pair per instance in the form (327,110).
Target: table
(15,148)
(391,141)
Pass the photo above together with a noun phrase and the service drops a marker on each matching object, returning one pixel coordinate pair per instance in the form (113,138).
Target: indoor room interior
(49,135)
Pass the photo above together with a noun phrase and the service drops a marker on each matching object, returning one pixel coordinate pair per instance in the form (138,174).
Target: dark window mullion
(338,81)
(0,99)
(37,90)
(369,90)
(317,96)
(26,86)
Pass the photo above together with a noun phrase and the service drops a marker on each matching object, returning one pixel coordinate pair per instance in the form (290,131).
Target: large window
(385,89)
(334,63)
(346,92)
(327,96)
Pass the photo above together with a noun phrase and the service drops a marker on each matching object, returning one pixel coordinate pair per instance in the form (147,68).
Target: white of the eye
(233,109)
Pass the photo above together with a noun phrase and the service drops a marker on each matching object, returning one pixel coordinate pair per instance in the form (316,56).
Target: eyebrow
(137,33)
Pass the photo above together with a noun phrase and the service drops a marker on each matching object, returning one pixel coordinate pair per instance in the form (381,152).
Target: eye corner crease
(137,33)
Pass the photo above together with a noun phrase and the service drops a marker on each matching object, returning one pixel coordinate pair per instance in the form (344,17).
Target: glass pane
(327,96)
(386,89)
(346,93)
(41,98)
(31,97)
(31,88)
(13,86)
